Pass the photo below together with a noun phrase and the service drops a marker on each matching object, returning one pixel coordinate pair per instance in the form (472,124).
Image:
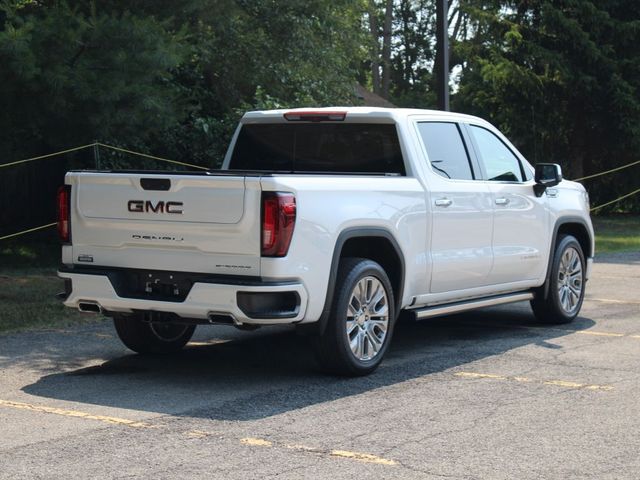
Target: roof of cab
(359,113)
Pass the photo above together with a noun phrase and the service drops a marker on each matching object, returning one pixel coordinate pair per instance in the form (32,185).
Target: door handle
(443,202)
(502,201)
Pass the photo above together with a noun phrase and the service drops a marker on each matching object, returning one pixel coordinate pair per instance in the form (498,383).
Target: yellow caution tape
(18,162)
(588,177)
(616,200)
(98,144)
(150,156)
(28,231)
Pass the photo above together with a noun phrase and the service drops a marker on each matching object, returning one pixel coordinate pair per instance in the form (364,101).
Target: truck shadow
(260,375)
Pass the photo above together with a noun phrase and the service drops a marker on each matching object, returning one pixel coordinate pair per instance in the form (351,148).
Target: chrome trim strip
(431,312)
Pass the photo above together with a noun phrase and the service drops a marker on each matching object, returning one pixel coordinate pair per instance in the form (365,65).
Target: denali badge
(157,237)
(147,206)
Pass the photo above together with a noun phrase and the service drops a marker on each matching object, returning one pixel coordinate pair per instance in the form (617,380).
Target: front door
(521,221)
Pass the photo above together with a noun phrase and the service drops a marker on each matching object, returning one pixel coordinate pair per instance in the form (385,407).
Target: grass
(29,285)
(28,282)
(29,302)
(35,253)
(619,233)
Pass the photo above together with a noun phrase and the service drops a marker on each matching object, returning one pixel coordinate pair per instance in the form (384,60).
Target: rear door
(462,219)
(194,223)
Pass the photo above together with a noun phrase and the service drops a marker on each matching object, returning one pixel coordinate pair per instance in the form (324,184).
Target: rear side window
(318,147)
(445,148)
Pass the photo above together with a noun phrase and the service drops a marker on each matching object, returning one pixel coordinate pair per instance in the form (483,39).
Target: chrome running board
(457,307)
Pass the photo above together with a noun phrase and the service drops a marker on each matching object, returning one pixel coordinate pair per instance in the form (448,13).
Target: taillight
(278,220)
(63,209)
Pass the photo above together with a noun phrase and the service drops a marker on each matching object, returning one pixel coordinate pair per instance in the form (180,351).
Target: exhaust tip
(90,307)
(222,319)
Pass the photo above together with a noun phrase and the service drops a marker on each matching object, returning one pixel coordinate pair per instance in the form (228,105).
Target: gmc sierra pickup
(334,220)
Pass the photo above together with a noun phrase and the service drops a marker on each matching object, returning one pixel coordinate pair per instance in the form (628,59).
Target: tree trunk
(386,48)
(441,65)
(375,47)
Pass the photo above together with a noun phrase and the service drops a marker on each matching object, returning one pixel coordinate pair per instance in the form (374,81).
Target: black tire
(333,347)
(148,337)
(553,309)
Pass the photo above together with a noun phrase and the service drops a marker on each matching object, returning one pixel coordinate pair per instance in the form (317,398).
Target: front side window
(499,162)
(445,149)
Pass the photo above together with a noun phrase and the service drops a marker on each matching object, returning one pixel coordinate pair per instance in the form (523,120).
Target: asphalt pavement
(490,394)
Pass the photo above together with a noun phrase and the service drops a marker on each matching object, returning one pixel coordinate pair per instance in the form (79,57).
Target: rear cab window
(319,148)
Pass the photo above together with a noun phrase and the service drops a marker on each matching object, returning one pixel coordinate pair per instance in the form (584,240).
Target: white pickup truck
(334,220)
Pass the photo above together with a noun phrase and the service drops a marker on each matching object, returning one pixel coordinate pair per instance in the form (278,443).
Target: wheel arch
(576,227)
(374,243)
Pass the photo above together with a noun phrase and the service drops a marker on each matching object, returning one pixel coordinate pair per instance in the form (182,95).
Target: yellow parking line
(358,456)
(251,441)
(74,413)
(361,457)
(612,300)
(479,375)
(559,383)
(256,442)
(564,330)
(198,434)
(601,334)
(207,343)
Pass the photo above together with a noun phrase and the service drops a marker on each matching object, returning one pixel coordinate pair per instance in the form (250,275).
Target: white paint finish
(520,233)
(466,249)
(571,201)
(157,241)
(589,269)
(461,235)
(203,299)
(204,199)
(461,226)
(451,296)
(329,205)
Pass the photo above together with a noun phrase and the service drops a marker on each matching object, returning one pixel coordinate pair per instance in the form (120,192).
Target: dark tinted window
(499,162)
(318,147)
(446,150)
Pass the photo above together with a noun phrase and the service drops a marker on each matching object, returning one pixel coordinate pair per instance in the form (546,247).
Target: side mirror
(547,175)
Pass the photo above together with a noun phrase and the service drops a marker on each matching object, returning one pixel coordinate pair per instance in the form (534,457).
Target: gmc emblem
(147,206)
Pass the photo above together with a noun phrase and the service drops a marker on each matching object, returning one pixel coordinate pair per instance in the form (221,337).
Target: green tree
(171,77)
(71,76)
(561,79)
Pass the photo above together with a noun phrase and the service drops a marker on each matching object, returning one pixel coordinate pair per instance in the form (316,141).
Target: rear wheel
(566,284)
(361,322)
(150,337)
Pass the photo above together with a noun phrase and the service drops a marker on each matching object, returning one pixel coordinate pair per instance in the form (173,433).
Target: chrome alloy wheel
(570,280)
(367,318)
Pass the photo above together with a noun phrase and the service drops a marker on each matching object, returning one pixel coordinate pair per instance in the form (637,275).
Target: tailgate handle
(160,184)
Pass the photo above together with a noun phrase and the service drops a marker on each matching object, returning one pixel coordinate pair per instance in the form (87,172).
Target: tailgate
(189,223)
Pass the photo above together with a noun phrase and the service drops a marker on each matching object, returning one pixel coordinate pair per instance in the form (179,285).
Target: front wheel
(152,337)
(566,284)
(361,322)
